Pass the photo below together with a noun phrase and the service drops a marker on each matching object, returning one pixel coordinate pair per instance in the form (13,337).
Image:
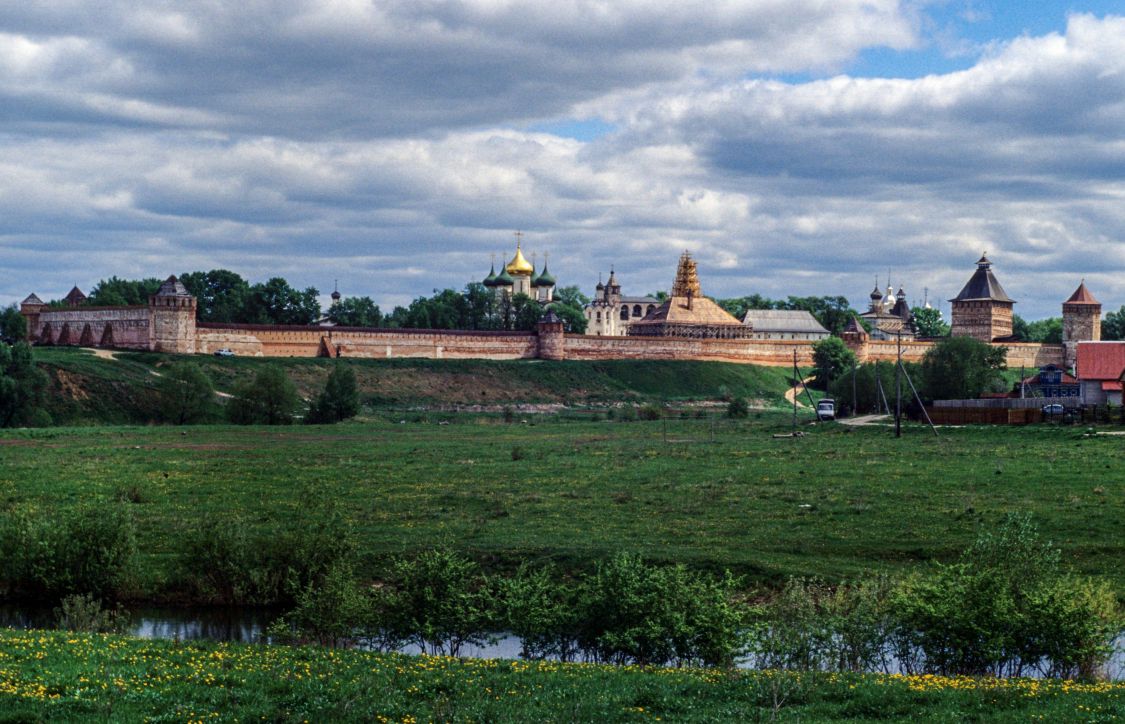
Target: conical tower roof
(1082,296)
(983,285)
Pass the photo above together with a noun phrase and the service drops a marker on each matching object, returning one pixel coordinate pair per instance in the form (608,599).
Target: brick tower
(552,341)
(1082,321)
(172,318)
(982,310)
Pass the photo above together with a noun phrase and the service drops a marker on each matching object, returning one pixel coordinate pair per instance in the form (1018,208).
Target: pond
(248,625)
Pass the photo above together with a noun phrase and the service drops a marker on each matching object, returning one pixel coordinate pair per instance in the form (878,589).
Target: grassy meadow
(61,676)
(832,503)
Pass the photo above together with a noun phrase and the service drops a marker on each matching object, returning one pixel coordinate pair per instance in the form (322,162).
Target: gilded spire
(687,281)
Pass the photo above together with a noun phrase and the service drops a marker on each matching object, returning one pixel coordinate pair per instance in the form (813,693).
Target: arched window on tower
(636,310)
(625,313)
(650,308)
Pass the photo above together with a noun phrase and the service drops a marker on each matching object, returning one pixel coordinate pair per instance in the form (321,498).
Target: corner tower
(982,310)
(1082,321)
(172,318)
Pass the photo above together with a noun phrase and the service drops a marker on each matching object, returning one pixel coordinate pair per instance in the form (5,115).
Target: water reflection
(248,625)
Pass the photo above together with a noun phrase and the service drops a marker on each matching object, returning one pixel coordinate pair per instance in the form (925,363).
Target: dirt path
(865,420)
(796,391)
(102,353)
(107,354)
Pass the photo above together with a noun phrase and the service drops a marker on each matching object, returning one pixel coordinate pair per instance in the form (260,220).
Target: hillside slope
(86,388)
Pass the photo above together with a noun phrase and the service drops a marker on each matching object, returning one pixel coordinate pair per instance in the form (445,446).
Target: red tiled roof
(1082,295)
(1101,360)
(1111,386)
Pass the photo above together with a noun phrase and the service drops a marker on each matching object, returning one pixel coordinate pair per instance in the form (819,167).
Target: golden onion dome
(519,264)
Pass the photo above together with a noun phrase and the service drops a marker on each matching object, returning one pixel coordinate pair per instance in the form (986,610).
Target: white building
(610,313)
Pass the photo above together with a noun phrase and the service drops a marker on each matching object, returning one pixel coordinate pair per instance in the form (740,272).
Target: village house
(1099,371)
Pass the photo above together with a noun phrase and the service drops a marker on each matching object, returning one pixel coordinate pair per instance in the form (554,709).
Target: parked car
(1053,409)
(224,352)
(826,409)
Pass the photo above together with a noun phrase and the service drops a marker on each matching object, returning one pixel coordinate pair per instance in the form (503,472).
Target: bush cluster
(223,561)
(625,612)
(84,550)
(1005,608)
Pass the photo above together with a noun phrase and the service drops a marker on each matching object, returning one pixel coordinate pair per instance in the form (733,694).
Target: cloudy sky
(794,146)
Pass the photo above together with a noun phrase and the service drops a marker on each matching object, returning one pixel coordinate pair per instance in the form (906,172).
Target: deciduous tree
(22,387)
(269,399)
(962,368)
(340,399)
(356,312)
(831,358)
(186,394)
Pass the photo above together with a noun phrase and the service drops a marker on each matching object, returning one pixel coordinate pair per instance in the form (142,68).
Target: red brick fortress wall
(279,341)
(128,327)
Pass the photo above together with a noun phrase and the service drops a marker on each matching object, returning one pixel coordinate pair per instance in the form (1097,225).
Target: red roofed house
(1099,370)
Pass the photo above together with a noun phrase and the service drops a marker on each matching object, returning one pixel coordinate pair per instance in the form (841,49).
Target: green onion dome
(545,279)
(503,279)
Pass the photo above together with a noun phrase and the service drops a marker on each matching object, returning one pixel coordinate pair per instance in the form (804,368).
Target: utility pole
(898,387)
(796,381)
(855,403)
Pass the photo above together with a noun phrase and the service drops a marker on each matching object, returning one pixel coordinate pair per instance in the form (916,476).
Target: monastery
(686,326)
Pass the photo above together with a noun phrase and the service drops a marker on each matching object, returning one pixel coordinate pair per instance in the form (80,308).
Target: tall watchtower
(172,318)
(1082,321)
(30,309)
(982,310)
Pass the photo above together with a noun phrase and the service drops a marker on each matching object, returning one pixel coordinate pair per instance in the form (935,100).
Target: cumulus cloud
(355,69)
(355,141)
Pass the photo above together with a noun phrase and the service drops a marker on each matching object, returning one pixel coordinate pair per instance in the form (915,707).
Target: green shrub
(269,399)
(1006,608)
(633,613)
(83,612)
(543,611)
(186,395)
(22,387)
(340,399)
(650,412)
(811,626)
(335,611)
(222,563)
(89,549)
(441,602)
(222,560)
(738,408)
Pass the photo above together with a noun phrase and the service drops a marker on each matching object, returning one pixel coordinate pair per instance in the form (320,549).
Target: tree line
(186,396)
(224,296)
(953,368)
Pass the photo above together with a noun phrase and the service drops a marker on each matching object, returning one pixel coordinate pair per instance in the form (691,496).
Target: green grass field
(61,676)
(832,503)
